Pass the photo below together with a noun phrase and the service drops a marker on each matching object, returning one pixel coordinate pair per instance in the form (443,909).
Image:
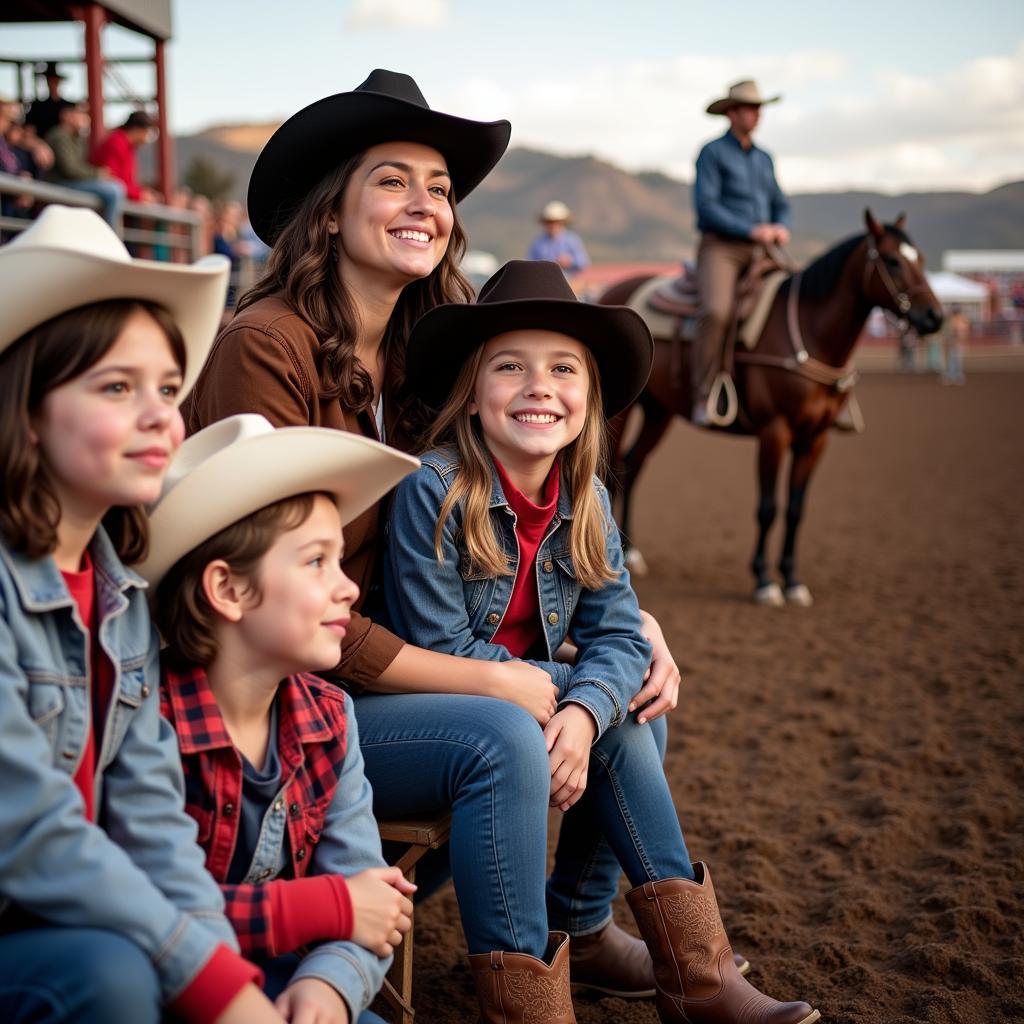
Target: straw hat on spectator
(72,257)
(387,107)
(742,92)
(555,212)
(238,465)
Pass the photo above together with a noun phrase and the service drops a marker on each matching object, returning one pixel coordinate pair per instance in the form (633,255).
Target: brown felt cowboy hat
(529,295)
(739,93)
(387,107)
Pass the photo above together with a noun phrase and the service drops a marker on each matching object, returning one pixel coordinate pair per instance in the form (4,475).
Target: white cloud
(837,127)
(397,14)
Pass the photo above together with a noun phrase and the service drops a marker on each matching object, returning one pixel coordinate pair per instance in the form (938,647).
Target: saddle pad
(751,328)
(663,326)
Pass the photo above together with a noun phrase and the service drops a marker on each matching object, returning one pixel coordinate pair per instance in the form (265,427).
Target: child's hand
(528,686)
(661,680)
(250,1006)
(312,1001)
(569,735)
(381,908)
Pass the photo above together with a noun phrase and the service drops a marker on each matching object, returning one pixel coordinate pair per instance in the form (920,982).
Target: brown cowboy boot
(614,963)
(516,988)
(696,977)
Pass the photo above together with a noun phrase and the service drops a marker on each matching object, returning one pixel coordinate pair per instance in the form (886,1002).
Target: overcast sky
(895,95)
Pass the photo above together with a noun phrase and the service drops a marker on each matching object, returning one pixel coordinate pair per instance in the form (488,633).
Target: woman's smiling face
(396,217)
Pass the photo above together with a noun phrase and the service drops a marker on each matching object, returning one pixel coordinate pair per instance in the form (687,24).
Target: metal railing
(158,232)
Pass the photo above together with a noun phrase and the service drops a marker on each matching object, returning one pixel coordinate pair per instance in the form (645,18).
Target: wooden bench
(419,836)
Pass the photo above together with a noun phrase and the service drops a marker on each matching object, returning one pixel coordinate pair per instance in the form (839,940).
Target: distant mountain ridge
(649,215)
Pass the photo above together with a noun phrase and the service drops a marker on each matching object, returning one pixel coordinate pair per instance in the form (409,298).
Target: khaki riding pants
(721,262)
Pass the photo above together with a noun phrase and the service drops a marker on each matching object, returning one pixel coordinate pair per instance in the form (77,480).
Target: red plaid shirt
(311,743)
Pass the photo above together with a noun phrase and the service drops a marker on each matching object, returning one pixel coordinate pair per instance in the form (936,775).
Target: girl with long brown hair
(106,910)
(502,546)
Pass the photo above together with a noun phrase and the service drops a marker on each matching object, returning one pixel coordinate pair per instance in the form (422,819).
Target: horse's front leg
(806,452)
(774,439)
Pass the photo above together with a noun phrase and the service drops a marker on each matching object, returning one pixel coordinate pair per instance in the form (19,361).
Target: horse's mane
(821,276)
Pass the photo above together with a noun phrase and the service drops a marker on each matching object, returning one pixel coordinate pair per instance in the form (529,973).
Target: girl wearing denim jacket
(106,911)
(502,546)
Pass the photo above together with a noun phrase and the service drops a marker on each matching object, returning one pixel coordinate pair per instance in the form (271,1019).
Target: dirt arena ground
(853,772)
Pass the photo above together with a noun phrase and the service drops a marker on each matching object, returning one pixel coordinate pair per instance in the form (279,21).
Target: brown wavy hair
(42,359)
(580,461)
(181,611)
(302,267)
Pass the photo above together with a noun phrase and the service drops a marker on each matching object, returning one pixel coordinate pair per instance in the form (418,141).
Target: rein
(801,362)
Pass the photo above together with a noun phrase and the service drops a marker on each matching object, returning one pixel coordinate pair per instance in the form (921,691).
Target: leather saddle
(679,296)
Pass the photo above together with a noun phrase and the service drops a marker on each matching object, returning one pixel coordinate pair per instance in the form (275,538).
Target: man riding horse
(740,212)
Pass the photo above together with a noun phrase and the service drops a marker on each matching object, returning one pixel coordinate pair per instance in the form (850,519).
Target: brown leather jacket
(264,362)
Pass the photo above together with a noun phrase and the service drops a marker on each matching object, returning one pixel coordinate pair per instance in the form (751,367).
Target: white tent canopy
(950,287)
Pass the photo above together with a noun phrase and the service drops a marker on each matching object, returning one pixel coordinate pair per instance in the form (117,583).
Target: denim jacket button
(278,806)
(548,566)
(493,619)
(145,692)
(68,755)
(553,618)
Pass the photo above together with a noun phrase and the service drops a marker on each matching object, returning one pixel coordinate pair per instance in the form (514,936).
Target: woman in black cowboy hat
(357,194)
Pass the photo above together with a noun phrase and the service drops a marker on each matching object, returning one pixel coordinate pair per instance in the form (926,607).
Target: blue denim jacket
(457,609)
(140,873)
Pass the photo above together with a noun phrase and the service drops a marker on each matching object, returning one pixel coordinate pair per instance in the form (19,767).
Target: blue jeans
(487,761)
(85,975)
(110,192)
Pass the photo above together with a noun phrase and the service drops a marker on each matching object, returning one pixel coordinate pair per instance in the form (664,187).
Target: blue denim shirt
(735,188)
(455,608)
(140,872)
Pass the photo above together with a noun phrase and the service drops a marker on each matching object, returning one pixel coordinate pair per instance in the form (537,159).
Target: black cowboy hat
(529,295)
(387,107)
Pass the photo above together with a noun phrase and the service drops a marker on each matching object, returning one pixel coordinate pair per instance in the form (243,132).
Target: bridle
(875,262)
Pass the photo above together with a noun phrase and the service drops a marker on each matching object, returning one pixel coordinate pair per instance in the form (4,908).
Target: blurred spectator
(955,333)
(34,156)
(557,243)
(44,115)
(227,218)
(72,170)
(9,162)
(116,153)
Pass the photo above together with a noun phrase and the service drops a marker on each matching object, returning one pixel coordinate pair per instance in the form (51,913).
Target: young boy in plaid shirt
(250,597)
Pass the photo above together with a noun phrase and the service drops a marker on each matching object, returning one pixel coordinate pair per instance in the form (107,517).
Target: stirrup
(850,419)
(722,385)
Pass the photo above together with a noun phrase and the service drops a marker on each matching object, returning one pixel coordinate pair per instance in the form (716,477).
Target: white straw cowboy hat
(238,465)
(742,92)
(70,258)
(555,211)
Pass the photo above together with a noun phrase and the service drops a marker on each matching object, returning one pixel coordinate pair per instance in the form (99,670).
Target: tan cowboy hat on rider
(554,212)
(742,92)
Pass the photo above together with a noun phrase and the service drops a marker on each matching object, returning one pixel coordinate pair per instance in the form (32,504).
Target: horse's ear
(901,221)
(872,225)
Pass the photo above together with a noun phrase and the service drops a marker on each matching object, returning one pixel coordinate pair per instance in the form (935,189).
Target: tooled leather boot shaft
(516,988)
(694,970)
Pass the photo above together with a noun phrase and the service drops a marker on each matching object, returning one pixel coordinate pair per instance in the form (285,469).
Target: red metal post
(95,18)
(165,144)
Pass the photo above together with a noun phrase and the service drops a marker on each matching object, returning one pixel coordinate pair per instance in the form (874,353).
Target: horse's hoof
(636,563)
(770,595)
(799,595)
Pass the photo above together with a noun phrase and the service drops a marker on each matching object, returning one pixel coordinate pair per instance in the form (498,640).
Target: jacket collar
(563,509)
(41,586)
(200,726)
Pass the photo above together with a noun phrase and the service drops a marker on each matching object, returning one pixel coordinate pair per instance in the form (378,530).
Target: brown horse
(793,383)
